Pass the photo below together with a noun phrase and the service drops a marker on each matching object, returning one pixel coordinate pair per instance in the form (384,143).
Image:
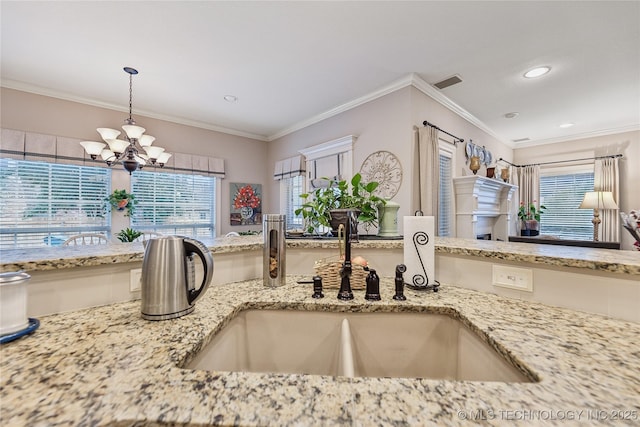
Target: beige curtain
(529,184)
(607,178)
(426,179)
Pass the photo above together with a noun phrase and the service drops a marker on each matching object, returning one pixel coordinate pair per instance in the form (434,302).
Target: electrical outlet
(135,277)
(513,277)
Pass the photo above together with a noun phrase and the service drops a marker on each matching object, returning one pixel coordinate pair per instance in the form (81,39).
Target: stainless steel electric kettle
(168,276)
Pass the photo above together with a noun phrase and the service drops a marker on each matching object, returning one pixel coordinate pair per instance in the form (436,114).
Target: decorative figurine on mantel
(474,164)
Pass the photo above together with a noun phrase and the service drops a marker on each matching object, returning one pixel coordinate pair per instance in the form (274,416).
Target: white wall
(244,157)
(627,144)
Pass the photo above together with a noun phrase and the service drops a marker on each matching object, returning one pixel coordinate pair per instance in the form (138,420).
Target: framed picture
(246,204)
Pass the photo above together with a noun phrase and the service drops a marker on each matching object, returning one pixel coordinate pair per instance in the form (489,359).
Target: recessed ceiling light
(566,125)
(511,115)
(537,72)
(230,98)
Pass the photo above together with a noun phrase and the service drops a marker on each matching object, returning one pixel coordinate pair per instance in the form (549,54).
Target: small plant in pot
(121,200)
(530,217)
(128,235)
(323,206)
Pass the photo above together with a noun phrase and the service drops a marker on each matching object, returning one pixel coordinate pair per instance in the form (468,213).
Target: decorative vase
(490,172)
(504,174)
(474,164)
(339,216)
(246,213)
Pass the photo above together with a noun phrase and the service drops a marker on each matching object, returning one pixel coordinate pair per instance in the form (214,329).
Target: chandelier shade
(93,148)
(127,150)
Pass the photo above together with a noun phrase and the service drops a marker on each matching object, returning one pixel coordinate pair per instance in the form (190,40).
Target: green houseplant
(530,217)
(128,235)
(121,200)
(355,195)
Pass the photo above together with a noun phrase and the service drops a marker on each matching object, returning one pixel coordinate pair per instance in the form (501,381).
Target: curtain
(607,178)
(426,180)
(529,185)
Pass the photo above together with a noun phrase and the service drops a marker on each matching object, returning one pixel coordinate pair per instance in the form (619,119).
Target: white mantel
(484,206)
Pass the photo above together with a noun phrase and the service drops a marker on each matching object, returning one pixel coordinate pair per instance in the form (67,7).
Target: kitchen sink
(400,345)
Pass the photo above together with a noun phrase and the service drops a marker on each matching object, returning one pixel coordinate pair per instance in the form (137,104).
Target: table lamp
(597,200)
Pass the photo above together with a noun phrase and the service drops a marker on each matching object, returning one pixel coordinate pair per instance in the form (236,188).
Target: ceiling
(293,63)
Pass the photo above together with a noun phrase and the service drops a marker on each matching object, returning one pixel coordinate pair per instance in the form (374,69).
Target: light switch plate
(513,278)
(135,277)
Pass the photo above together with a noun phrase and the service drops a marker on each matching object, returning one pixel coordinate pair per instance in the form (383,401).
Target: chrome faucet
(345,292)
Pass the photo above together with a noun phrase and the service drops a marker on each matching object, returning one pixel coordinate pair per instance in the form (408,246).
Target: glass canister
(13,302)
(274,252)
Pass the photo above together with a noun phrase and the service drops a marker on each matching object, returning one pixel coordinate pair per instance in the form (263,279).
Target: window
(45,203)
(445,192)
(174,203)
(561,192)
(290,191)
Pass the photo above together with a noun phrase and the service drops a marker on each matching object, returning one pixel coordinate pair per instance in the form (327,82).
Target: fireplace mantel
(484,206)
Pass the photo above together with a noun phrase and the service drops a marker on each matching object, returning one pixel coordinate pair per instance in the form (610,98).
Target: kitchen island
(596,280)
(108,366)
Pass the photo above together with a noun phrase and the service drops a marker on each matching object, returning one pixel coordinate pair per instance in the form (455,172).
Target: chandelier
(127,151)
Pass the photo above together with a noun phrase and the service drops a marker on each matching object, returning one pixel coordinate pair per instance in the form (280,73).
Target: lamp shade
(598,200)
(153,152)
(117,145)
(107,133)
(163,158)
(93,148)
(146,140)
(133,131)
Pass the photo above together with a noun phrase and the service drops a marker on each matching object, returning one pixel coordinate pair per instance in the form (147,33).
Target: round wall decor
(385,168)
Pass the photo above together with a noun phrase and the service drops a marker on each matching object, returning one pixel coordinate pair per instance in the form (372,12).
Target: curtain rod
(455,138)
(613,156)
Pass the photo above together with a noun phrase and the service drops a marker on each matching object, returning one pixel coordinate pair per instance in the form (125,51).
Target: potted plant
(530,217)
(325,204)
(121,200)
(128,235)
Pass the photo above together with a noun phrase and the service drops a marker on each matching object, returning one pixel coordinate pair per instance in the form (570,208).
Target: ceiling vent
(521,140)
(448,82)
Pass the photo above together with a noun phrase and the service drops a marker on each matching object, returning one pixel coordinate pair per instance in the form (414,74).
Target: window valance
(288,168)
(21,145)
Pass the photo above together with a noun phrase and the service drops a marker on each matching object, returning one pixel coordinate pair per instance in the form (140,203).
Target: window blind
(445,197)
(561,194)
(292,188)
(174,203)
(45,203)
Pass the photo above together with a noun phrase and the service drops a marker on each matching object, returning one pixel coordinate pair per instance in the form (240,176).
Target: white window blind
(174,203)
(561,194)
(290,191)
(445,196)
(45,203)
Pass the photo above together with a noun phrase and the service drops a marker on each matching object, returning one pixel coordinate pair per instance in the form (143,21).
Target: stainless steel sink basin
(405,345)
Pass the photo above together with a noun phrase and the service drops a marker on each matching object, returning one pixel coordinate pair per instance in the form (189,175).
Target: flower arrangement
(530,213)
(632,223)
(246,197)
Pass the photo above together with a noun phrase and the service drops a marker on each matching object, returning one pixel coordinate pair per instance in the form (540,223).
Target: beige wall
(244,157)
(387,123)
(627,144)
(381,124)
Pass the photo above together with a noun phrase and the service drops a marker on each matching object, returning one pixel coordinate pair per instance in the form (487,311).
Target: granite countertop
(107,365)
(614,261)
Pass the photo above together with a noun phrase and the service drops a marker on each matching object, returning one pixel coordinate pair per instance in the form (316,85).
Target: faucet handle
(399,296)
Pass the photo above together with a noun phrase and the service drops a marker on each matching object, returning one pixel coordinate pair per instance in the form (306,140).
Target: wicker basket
(329,270)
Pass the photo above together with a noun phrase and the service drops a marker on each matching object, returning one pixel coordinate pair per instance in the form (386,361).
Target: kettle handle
(193,246)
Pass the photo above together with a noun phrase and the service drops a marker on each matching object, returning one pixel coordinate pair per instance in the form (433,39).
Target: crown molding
(437,96)
(576,136)
(38,90)
(385,90)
